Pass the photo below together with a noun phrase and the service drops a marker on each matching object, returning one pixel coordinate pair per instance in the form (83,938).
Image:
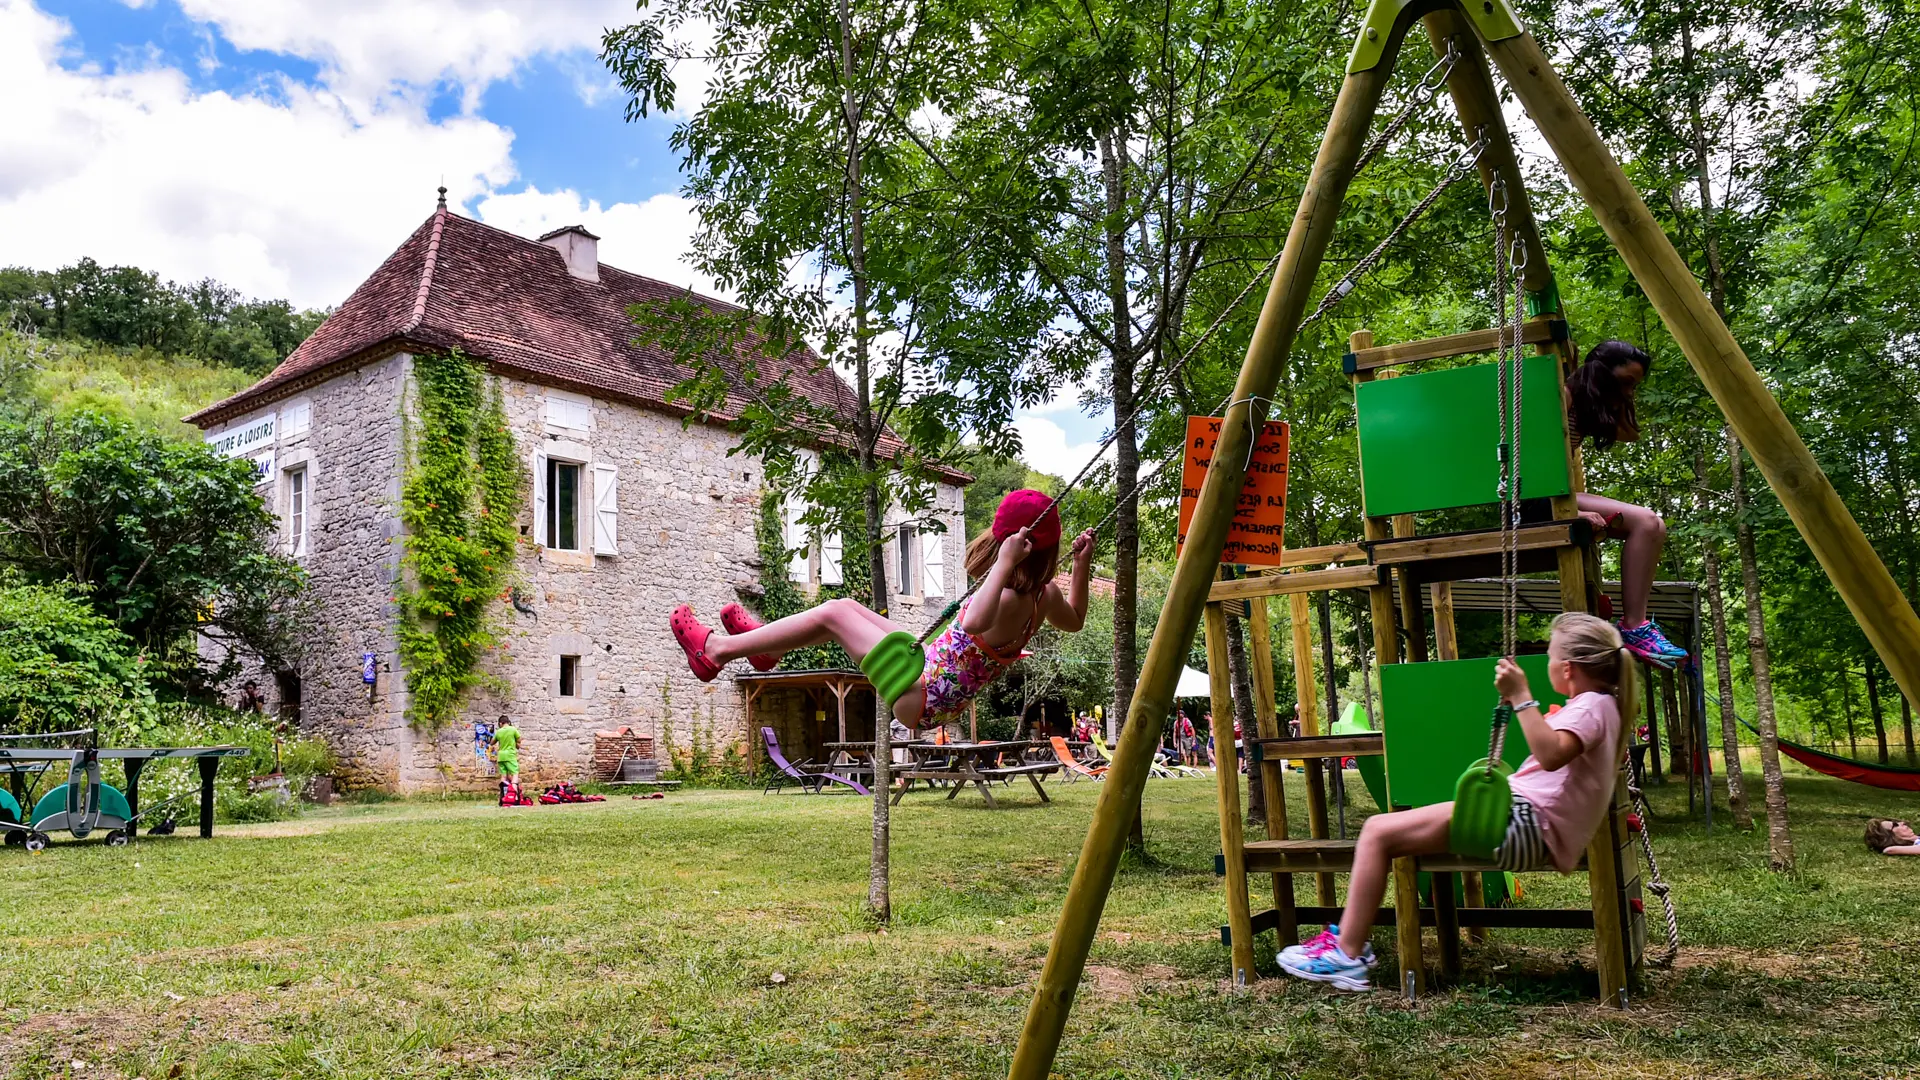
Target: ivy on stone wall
(460,503)
(781,596)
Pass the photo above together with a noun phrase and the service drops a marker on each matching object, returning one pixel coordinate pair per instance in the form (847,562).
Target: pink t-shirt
(1570,801)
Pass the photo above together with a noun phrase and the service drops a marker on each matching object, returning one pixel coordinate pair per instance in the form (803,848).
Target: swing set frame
(1485,31)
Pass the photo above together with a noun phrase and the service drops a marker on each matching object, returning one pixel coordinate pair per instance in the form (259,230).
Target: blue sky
(287,146)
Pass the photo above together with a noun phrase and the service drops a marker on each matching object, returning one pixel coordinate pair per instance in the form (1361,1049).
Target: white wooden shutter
(606,510)
(796,540)
(540,500)
(933,564)
(830,549)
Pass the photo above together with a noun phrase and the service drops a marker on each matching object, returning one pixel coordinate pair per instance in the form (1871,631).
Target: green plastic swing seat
(893,665)
(1482,805)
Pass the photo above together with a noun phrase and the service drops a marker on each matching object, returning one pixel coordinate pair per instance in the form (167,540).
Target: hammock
(1890,777)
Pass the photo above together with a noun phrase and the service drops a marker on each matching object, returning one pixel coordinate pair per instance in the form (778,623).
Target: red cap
(1028,507)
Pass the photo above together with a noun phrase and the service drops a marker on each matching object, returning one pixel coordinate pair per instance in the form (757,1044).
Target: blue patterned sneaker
(1648,643)
(1325,941)
(1329,966)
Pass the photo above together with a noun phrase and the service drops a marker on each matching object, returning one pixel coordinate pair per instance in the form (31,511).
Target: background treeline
(129,308)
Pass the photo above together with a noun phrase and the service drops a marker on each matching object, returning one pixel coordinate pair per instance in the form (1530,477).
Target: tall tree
(1779,834)
(1736,777)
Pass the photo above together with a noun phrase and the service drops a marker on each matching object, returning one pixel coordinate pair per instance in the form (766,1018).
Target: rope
(1656,882)
(1462,164)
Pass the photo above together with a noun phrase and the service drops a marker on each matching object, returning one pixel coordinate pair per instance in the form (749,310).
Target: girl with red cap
(1017,558)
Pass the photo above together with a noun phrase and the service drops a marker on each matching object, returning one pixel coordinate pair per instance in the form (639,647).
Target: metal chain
(1462,165)
(1498,203)
(1423,93)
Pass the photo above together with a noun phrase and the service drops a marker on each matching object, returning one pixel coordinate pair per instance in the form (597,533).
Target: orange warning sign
(1259,522)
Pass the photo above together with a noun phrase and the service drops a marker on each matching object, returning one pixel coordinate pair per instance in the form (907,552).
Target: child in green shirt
(506,750)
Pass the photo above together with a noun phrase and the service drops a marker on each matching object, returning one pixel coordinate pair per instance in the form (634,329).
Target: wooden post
(841,689)
(1412,617)
(1447,643)
(1233,841)
(973,721)
(1790,469)
(1406,886)
(1286,301)
(1260,642)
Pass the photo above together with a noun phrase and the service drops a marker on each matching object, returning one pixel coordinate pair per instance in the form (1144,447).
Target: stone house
(632,510)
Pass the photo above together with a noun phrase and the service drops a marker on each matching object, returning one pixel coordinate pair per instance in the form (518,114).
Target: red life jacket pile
(564,792)
(511,795)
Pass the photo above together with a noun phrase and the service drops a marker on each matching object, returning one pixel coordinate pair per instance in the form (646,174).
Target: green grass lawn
(630,939)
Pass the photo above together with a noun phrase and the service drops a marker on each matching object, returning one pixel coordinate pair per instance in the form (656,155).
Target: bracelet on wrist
(1522,706)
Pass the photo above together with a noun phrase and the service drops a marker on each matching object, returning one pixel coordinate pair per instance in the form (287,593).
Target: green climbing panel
(1436,720)
(1431,441)
(1373,770)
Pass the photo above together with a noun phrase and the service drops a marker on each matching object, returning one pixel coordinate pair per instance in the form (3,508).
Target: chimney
(580,248)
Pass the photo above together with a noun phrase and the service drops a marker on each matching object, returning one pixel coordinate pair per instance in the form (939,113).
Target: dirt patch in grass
(1116,984)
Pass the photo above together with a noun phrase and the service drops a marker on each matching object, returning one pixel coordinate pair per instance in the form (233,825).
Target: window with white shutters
(907,547)
(606,510)
(933,564)
(830,553)
(795,539)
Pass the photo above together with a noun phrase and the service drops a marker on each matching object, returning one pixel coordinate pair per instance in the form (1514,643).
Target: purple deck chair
(810,781)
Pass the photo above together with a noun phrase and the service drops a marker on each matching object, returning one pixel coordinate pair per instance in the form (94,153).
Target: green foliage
(462,494)
(701,764)
(780,597)
(64,666)
(172,542)
(152,390)
(192,724)
(129,308)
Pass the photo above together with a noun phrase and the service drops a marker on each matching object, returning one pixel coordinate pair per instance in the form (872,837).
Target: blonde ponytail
(1594,644)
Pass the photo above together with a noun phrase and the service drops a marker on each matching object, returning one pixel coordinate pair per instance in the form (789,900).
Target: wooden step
(1371,744)
(1336,857)
(1535,332)
(1500,918)
(1462,555)
(1298,581)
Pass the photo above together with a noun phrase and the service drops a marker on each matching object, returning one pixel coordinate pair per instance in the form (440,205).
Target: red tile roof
(456,283)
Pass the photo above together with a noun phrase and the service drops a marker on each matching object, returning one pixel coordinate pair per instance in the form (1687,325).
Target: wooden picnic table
(961,764)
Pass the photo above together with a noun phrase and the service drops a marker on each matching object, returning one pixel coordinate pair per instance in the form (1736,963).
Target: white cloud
(1044,446)
(285,191)
(369,50)
(651,237)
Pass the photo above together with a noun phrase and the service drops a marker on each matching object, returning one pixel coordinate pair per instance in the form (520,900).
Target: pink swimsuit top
(960,665)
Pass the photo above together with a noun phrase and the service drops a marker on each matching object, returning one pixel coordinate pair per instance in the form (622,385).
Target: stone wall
(686,532)
(350,450)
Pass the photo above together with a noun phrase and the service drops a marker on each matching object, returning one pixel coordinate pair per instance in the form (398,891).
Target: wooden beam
(1272,786)
(1300,581)
(1378,357)
(1267,350)
(1789,467)
(1416,549)
(1340,746)
(1227,779)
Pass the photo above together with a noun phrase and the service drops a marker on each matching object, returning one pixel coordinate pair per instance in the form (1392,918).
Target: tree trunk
(1126,460)
(879,890)
(1874,709)
(1904,514)
(1846,700)
(1779,835)
(1722,659)
(1679,745)
(1906,725)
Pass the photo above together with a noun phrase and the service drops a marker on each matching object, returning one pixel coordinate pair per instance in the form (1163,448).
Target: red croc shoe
(737,621)
(693,639)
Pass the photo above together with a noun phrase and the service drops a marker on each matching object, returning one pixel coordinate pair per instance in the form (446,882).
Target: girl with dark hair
(1016,561)
(1889,837)
(1600,408)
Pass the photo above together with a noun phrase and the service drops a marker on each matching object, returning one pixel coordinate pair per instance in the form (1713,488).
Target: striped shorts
(1525,847)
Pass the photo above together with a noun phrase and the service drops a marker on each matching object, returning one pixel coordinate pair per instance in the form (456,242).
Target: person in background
(506,751)
(251,700)
(1183,738)
(1889,837)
